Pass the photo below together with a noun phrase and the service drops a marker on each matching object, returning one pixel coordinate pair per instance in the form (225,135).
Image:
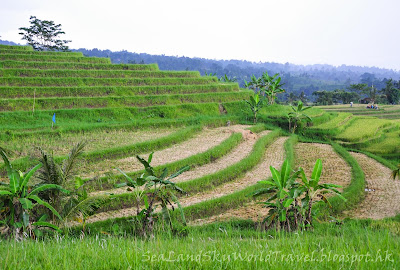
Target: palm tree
(78,205)
(297,116)
(53,173)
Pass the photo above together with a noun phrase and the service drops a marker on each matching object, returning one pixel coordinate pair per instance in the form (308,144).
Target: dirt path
(382,198)
(274,156)
(201,142)
(335,170)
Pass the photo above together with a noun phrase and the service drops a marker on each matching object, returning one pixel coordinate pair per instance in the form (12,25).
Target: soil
(382,193)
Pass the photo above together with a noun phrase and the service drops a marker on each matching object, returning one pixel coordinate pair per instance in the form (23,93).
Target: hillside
(53,101)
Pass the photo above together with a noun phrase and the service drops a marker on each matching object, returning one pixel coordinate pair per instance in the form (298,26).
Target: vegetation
(255,103)
(150,189)
(128,111)
(290,203)
(44,35)
(297,117)
(19,198)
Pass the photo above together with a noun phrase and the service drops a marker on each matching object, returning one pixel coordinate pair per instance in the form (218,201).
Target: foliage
(396,172)
(291,203)
(391,91)
(18,199)
(78,205)
(272,86)
(297,117)
(150,189)
(255,103)
(269,86)
(225,78)
(44,35)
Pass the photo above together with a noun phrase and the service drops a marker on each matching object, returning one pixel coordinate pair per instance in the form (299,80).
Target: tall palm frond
(86,207)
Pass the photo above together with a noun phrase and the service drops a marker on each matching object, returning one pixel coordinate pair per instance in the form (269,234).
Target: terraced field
(128,110)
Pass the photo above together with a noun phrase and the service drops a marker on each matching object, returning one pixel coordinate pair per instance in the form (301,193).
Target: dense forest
(300,80)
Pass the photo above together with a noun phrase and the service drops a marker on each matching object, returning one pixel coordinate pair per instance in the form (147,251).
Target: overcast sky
(351,32)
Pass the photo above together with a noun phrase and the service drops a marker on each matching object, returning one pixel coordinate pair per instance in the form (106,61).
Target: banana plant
(19,198)
(225,78)
(281,200)
(313,189)
(255,103)
(255,83)
(272,86)
(297,116)
(151,189)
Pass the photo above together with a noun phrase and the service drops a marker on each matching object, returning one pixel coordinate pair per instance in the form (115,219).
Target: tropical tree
(272,86)
(44,35)
(255,103)
(313,189)
(281,199)
(18,199)
(255,83)
(59,174)
(297,116)
(291,202)
(78,206)
(151,189)
(391,93)
(225,78)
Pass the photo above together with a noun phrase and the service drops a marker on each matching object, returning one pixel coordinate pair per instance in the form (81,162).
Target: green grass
(363,128)
(100,116)
(339,120)
(75,66)
(235,245)
(62,73)
(49,53)
(16,48)
(115,102)
(48,58)
(70,81)
(95,91)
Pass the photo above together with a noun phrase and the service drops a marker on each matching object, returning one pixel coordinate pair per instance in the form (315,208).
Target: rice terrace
(109,165)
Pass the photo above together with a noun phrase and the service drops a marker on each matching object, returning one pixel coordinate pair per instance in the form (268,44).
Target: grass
(75,66)
(96,91)
(363,128)
(24,104)
(335,122)
(233,245)
(47,58)
(71,81)
(57,73)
